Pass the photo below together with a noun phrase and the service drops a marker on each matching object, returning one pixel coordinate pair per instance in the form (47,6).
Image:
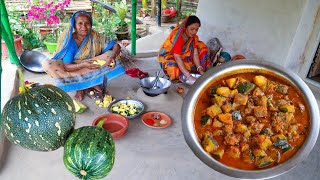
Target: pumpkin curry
(251,121)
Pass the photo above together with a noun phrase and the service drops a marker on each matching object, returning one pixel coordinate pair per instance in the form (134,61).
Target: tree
(153,8)
(163,4)
(144,4)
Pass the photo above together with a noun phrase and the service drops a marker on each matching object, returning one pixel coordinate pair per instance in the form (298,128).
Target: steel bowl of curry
(250,119)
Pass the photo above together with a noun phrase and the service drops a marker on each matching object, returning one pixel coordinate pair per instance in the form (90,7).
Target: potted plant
(122,30)
(102,21)
(51,39)
(17,29)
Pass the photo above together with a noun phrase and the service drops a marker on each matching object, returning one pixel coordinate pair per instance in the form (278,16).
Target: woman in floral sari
(182,53)
(73,66)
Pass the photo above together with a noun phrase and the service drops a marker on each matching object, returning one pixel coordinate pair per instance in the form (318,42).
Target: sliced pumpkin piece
(287,108)
(259,153)
(217,132)
(247,156)
(209,144)
(79,106)
(260,111)
(225,118)
(224,91)
(217,124)
(264,162)
(226,108)
(231,82)
(218,153)
(205,120)
(240,99)
(282,144)
(267,132)
(220,100)
(246,87)
(213,90)
(233,151)
(260,81)
(213,110)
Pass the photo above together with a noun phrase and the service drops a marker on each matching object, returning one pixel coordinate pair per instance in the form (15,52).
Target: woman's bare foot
(79,95)
(97,88)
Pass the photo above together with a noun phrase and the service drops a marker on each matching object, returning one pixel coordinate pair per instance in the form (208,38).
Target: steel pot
(234,67)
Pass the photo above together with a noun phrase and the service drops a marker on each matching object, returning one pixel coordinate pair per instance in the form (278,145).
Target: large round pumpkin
(89,153)
(40,119)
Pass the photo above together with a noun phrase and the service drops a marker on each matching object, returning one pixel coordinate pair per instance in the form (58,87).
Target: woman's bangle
(199,67)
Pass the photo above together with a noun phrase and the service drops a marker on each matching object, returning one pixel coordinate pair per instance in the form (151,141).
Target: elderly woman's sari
(166,55)
(93,45)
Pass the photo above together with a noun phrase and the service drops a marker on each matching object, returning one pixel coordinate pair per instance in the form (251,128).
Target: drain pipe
(159,13)
(133,26)
(1,1)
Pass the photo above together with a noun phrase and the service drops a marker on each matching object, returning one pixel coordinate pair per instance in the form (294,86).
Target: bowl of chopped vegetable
(129,108)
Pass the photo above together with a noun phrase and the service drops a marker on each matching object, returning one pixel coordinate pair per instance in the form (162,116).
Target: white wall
(258,29)
(305,43)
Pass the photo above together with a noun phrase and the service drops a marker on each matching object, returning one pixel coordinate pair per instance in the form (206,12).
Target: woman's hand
(201,71)
(89,64)
(111,62)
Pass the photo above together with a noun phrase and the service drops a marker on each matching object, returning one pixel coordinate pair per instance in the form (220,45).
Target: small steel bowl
(184,78)
(138,104)
(162,85)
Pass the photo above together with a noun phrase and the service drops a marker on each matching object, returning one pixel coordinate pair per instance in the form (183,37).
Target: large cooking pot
(235,67)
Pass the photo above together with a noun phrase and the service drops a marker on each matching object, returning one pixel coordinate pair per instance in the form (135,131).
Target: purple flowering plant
(46,10)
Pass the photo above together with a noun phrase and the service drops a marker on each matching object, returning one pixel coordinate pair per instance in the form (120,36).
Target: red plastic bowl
(115,124)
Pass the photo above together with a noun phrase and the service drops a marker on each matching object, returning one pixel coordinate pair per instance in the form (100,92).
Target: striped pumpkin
(89,153)
(40,119)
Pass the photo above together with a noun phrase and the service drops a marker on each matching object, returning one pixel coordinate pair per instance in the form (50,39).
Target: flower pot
(51,46)
(44,30)
(122,35)
(141,32)
(17,45)
(165,18)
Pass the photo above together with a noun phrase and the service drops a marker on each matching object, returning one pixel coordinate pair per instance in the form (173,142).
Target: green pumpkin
(89,153)
(40,119)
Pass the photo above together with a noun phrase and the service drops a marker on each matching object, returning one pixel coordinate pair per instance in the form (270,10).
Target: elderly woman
(182,53)
(73,67)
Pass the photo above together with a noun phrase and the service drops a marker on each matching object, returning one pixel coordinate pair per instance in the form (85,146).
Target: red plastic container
(115,124)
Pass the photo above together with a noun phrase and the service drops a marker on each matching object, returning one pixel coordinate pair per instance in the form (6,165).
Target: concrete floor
(143,153)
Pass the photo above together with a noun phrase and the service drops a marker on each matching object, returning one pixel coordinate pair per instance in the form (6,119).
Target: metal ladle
(154,86)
